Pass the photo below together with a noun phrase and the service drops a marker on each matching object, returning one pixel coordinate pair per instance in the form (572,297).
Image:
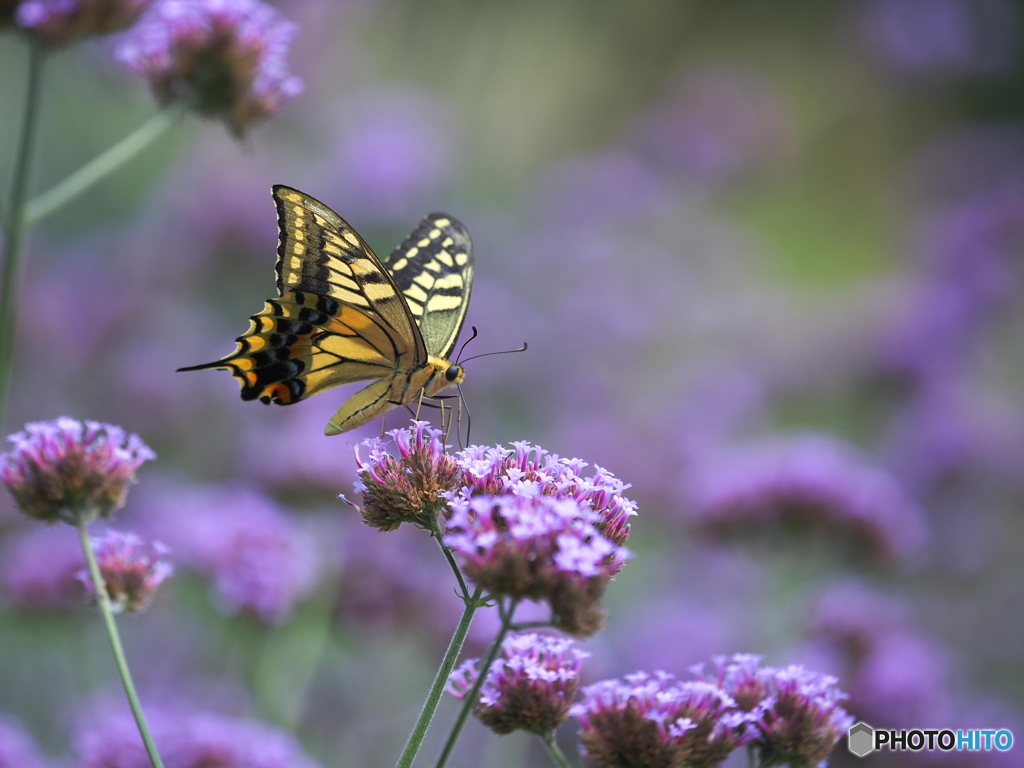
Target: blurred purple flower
(187,738)
(950,429)
(390,587)
(855,617)
(529,687)
(657,721)
(613,187)
(717,127)
(226,58)
(39,569)
(942,37)
(255,553)
(17,749)
(132,569)
(903,680)
(538,547)
(967,270)
(811,482)
(397,149)
(65,469)
(62,21)
(894,673)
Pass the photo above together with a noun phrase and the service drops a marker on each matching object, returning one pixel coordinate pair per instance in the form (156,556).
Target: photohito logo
(862,740)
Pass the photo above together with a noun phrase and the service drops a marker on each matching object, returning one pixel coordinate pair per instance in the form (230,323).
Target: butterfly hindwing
(433,267)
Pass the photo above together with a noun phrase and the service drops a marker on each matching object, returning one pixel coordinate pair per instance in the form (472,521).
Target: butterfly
(342,316)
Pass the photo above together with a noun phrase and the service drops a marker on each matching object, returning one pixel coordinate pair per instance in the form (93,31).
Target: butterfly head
(454,374)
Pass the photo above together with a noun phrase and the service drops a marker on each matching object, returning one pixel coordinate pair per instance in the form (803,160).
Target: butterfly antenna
(503,352)
(463,347)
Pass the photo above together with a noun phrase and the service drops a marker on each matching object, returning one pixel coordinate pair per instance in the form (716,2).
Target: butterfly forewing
(433,268)
(318,252)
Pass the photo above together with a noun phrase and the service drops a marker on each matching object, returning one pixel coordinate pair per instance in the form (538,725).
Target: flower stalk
(15,225)
(419,731)
(106,611)
(556,753)
(506,612)
(104,164)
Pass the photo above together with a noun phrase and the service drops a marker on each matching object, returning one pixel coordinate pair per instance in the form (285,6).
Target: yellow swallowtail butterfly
(343,316)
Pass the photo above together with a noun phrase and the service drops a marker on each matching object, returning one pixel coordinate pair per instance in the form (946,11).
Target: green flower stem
(419,731)
(464,589)
(103,600)
(553,750)
(469,702)
(14,226)
(104,164)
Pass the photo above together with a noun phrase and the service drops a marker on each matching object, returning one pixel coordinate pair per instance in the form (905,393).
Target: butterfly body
(343,316)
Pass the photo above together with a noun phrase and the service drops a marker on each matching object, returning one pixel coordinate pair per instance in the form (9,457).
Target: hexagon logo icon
(860,739)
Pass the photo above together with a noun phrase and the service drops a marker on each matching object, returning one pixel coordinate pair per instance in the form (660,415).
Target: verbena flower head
(530,545)
(531,470)
(131,568)
(409,488)
(800,720)
(188,738)
(659,722)
(226,57)
(809,483)
(528,688)
(62,21)
(796,711)
(66,469)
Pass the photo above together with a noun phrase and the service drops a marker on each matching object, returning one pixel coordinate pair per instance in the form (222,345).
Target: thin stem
(464,589)
(419,731)
(104,164)
(470,699)
(103,600)
(556,754)
(14,226)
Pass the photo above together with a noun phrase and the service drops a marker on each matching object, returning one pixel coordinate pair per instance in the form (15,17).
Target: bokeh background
(768,261)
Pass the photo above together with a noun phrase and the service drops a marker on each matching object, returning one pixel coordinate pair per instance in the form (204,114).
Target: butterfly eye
(453,372)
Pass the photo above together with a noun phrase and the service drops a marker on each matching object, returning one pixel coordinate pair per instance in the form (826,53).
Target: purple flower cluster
(187,738)
(808,481)
(797,712)
(532,546)
(717,126)
(530,687)
(227,58)
(895,673)
(17,749)
(659,722)
(942,37)
(132,569)
(62,21)
(526,524)
(39,569)
(529,470)
(255,554)
(411,487)
(66,469)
